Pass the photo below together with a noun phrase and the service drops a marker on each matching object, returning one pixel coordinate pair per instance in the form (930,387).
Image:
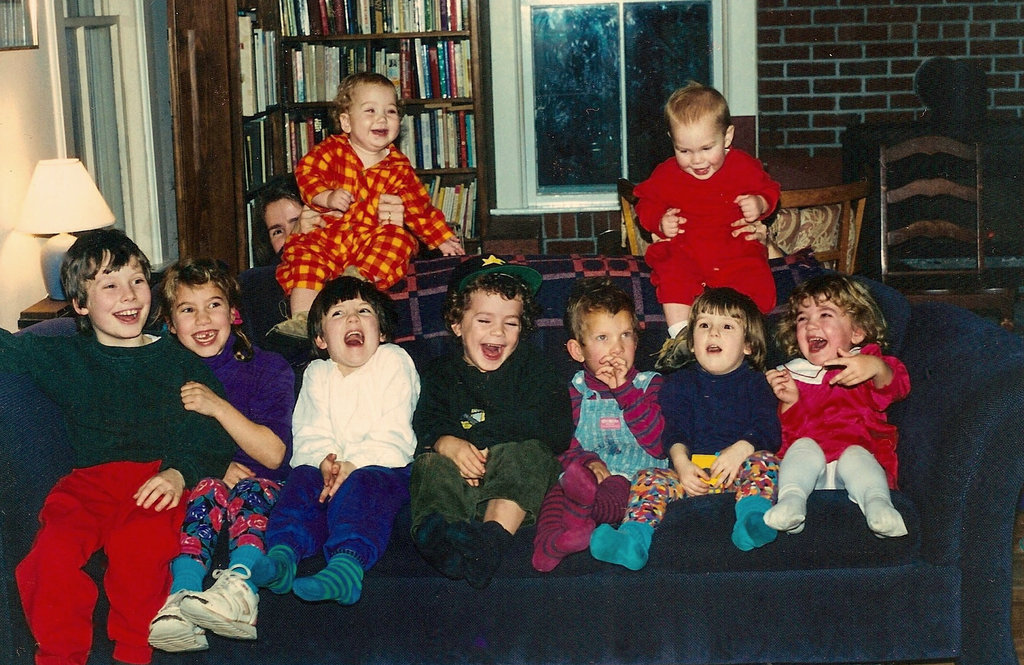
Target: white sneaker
(228,608)
(170,631)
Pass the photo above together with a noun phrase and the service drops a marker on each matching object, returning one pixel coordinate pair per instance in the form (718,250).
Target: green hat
(480,264)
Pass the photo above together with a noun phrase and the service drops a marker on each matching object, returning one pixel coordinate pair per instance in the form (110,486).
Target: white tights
(803,470)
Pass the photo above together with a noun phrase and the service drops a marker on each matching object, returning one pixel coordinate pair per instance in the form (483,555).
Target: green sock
(627,546)
(341,581)
(750,531)
(276,569)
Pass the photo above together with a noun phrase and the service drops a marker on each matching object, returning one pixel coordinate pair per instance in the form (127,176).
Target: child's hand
(451,247)
(200,398)
(161,491)
(730,459)
(235,473)
(337,199)
(784,386)
(691,477)
(471,461)
(390,210)
(670,223)
(612,370)
(309,219)
(334,473)
(753,206)
(600,470)
(858,368)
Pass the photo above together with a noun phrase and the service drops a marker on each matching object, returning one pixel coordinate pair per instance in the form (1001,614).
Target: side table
(46,308)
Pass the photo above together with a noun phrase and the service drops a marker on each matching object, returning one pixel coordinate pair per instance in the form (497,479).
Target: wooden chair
(932,227)
(828,219)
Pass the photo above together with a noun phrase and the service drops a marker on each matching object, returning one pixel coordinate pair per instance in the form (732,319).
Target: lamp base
(51,256)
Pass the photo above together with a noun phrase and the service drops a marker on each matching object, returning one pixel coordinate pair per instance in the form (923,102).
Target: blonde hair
(596,294)
(725,301)
(694,102)
(845,293)
(347,88)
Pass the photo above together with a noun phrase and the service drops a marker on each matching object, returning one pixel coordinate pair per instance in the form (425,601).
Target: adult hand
(391,210)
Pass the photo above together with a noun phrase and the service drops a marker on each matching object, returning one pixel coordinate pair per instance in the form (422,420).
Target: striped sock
(276,570)
(341,581)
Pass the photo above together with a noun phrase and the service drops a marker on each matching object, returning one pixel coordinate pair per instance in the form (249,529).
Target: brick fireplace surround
(822,67)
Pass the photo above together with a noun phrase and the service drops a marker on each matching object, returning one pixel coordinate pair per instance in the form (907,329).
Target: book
(435,74)
(247,64)
(407,71)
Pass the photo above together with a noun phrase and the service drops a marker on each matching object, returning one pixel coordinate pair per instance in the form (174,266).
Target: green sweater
(124,404)
(523,399)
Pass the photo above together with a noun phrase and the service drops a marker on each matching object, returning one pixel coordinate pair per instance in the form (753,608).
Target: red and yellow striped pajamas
(381,252)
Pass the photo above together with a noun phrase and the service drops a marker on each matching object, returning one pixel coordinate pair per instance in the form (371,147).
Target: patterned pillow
(816,227)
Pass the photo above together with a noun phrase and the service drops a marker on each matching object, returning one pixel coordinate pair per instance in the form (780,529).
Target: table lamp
(62,198)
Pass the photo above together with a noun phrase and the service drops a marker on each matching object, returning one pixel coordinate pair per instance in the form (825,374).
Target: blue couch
(833,593)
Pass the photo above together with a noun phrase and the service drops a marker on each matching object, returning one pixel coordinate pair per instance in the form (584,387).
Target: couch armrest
(961,461)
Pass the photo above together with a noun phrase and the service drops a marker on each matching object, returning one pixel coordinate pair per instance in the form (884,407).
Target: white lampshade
(62,198)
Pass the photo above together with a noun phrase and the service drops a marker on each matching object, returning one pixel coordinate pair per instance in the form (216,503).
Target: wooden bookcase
(236,111)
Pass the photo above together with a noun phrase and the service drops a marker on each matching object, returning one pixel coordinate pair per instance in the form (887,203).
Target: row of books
(16,25)
(302,18)
(458,203)
(439,138)
(419,68)
(302,135)
(257,56)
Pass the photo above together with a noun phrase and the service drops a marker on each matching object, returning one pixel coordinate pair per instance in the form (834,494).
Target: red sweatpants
(90,509)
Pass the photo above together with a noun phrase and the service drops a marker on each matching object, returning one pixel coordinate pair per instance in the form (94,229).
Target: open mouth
(127,316)
(204,337)
(713,348)
(492,351)
(816,344)
(354,338)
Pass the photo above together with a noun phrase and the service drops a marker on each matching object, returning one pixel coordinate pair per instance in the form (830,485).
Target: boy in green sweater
(135,449)
(490,419)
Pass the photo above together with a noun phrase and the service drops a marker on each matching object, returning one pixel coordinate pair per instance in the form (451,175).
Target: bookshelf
(429,48)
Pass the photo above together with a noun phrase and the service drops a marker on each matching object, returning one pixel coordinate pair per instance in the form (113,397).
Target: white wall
(29,131)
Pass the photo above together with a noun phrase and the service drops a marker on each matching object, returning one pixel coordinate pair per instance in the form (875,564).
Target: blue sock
(248,556)
(341,581)
(276,569)
(627,546)
(187,574)
(750,531)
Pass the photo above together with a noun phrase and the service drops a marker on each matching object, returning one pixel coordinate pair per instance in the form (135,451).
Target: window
(112,115)
(579,104)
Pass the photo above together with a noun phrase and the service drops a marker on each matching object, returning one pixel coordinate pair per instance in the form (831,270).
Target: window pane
(667,44)
(576,96)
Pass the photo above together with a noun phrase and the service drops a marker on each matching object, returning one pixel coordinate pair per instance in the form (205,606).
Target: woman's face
(281,216)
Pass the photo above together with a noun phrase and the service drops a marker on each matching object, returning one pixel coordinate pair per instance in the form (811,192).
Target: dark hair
(276,188)
(197,272)
(845,293)
(102,249)
(596,294)
(726,301)
(345,288)
(505,285)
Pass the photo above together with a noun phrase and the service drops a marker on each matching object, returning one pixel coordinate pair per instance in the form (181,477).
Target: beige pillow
(816,227)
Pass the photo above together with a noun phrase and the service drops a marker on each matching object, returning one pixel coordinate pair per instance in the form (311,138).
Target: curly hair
(845,293)
(199,272)
(507,286)
(345,288)
(725,301)
(596,294)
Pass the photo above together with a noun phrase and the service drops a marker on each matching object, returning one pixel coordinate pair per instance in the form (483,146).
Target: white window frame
(131,97)
(734,72)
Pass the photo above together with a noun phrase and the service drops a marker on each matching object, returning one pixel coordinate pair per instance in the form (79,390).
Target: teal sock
(341,581)
(248,556)
(276,569)
(187,574)
(628,546)
(750,531)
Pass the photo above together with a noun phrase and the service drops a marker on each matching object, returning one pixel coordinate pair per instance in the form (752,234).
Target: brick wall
(825,65)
